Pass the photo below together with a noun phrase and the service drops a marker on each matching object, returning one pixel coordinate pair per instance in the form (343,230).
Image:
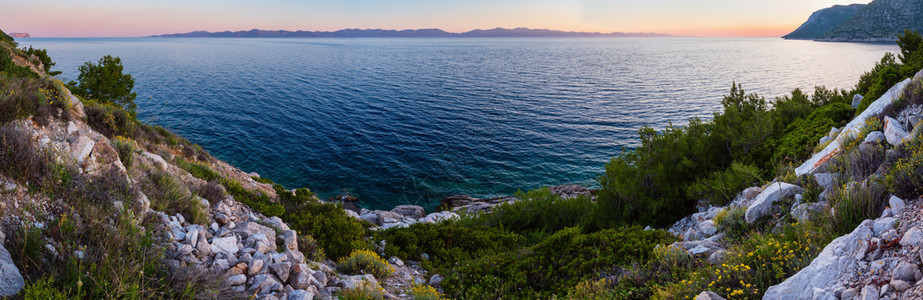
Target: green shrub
(198,170)
(852,204)
(43,289)
(719,188)
(365,262)
(171,196)
(554,265)
(23,97)
(905,176)
(110,120)
(802,134)
(43,57)
(337,233)
(126,149)
(732,223)
(365,291)
(311,249)
(447,243)
(9,68)
(425,292)
(538,211)
(105,82)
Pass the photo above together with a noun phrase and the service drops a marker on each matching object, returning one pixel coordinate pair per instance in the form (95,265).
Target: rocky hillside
(879,21)
(824,20)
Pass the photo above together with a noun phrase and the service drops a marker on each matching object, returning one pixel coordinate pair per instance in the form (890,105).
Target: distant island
(413,33)
(878,21)
(20,34)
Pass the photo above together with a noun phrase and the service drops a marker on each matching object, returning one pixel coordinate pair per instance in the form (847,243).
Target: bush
(538,211)
(18,157)
(906,174)
(171,196)
(365,291)
(719,188)
(553,265)
(126,148)
(43,289)
(110,120)
(335,231)
(213,192)
(447,243)
(425,292)
(43,57)
(802,134)
(732,223)
(855,203)
(23,97)
(365,262)
(105,82)
(311,249)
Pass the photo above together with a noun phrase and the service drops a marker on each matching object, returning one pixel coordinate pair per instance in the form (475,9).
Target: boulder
(762,205)
(803,212)
(157,160)
(237,279)
(260,242)
(225,244)
(11,281)
(822,157)
(856,100)
(255,267)
(276,222)
(290,239)
(708,228)
(837,259)
(897,205)
(411,211)
(265,284)
(869,292)
(874,137)
(281,269)
(905,271)
(81,148)
(894,132)
(300,276)
(881,225)
(301,295)
(900,285)
(246,229)
(826,180)
(352,282)
(708,295)
(912,237)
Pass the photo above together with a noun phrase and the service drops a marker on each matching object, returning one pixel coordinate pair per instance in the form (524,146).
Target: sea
(412,120)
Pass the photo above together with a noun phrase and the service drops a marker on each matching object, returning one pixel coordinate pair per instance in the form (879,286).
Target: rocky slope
(824,20)
(879,21)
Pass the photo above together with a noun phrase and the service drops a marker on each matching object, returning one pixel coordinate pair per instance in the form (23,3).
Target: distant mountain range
(19,34)
(382,33)
(878,21)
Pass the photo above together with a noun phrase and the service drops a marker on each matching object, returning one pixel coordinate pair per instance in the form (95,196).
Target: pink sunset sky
(131,18)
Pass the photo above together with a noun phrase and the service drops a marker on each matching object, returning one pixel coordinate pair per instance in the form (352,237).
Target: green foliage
(802,134)
(43,57)
(335,231)
(721,187)
(906,174)
(553,265)
(43,289)
(200,171)
(23,97)
(311,249)
(365,262)
(110,120)
(5,38)
(171,196)
(447,243)
(854,203)
(126,149)
(425,292)
(889,71)
(731,222)
(9,67)
(106,83)
(365,291)
(538,211)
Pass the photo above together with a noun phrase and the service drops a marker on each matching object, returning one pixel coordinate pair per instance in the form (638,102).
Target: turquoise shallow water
(397,121)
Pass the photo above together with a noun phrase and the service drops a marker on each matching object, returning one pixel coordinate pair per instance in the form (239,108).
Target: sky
(131,18)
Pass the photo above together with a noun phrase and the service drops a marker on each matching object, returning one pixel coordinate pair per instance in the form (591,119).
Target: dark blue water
(398,121)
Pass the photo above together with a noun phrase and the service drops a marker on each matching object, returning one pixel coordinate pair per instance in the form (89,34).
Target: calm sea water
(397,121)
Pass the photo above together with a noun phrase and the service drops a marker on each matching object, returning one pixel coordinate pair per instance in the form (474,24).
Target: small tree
(106,83)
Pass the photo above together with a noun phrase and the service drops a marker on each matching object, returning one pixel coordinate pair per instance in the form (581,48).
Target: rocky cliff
(879,21)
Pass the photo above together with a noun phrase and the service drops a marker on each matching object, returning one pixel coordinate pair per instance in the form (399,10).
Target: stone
(717,257)
(320,276)
(912,237)
(869,292)
(837,258)
(265,284)
(225,244)
(894,132)
(352,282)
(81,148)
(762,205)
(276,223)
(239,268)
(247,229)
(192,236)
(202,247)
(826,180)
(237,279)
(435,280)
(301,295)
(394,260)
(290,239)
(803,212)
(856,100)
(708,228)
(220,265)
(874,137)
(875,108)
(260,242)
(299,276)
(11,281)
(282,270)
(905,271)
(255,267)
(900,285)
(708,295)
(897,205)
(883,224)
(158,161)
(412,211)
(849,293)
